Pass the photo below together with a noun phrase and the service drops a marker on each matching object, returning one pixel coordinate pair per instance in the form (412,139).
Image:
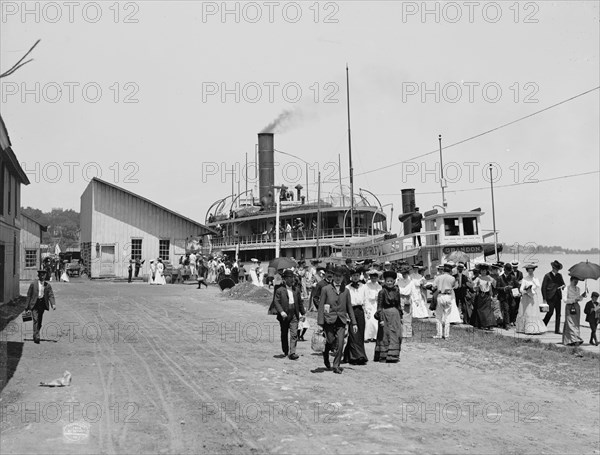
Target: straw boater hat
(372,272)
(530,266)
(514,264)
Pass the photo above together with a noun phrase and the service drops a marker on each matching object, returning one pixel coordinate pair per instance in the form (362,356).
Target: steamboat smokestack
(266,168)
(408,206)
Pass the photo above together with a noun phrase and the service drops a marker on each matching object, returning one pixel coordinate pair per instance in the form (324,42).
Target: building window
(451,226)
(470,226)
(163,249)
(30,259)
(136,249)
(9,192)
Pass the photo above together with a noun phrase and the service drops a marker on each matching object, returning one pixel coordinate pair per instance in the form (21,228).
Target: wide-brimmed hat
(514,263)
(557,265)
(372,272)
(405,269)
(483,266)
(354,271)
(460,264)
(530,266)
(41,271)
(389,274)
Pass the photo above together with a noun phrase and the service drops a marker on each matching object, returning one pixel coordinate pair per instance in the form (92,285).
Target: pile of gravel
(249,292)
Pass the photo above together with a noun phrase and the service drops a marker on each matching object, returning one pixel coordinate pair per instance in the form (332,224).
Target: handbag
(544,307)
(27,316)
(572,309)
(317,342)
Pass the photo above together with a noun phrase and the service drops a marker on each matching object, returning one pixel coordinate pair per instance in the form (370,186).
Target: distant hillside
(63,226)
(544,249)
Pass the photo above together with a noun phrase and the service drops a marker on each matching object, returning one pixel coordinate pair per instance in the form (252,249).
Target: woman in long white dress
(371,290)
(454,317)
(419,296)
(406,288)
(529,319)
(571,335)
(160,269)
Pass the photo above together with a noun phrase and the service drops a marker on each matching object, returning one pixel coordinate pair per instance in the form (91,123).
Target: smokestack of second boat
(266,168)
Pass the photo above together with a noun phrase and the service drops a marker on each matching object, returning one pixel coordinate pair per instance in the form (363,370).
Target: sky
(163,98)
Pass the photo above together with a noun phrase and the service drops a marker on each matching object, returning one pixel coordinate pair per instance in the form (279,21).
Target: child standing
(592,315)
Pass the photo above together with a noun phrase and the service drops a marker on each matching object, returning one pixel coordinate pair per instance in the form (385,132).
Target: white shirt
(290,293)
(40,289)
(357,295)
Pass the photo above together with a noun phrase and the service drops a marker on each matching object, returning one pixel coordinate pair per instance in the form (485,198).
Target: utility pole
(350,157)
(318,214)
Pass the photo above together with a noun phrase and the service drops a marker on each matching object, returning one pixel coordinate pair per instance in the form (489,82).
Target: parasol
(458,256)
(226,283)
(283,263)
(585,271)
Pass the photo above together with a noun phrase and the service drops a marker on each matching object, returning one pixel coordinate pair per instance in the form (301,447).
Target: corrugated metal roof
(202,226)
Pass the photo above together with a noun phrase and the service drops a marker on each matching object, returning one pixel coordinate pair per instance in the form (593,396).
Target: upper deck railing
(308,234)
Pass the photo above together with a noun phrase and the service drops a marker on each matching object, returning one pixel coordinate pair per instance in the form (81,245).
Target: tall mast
(350,156)
(318,215)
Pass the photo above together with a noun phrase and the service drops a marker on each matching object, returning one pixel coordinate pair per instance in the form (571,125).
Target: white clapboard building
(118,226)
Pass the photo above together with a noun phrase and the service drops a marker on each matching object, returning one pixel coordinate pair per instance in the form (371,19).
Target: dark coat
(340,306)
(551,285)
(281,303)
(32,295)
(316,295)
(590,314)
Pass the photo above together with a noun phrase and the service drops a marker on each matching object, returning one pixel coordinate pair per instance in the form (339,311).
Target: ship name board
(469,249)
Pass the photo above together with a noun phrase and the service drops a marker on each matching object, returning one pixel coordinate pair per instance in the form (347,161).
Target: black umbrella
(283,263)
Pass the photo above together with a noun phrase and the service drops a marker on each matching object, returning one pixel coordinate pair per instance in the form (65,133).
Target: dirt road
(172,369)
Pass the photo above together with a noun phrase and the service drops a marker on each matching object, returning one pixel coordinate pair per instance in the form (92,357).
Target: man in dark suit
(552,287)
(335,309)
(316,294)
(287,305)
(463,284)
(504,285)
(39,299)
(415,226)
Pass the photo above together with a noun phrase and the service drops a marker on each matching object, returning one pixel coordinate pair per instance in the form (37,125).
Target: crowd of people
(364,302)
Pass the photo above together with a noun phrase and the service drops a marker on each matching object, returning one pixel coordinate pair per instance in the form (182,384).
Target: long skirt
(483,313)
(529,319)
(355,348)
(418,304)
(389,336)
(571,328)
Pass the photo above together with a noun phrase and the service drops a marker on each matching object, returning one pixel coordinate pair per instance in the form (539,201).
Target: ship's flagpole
(494,216)
(277,239)
(318,214)
(350,156)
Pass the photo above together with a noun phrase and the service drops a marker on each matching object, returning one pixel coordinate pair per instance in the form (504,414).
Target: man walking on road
(552,287)
(287,305)
(39,299)
(335,309)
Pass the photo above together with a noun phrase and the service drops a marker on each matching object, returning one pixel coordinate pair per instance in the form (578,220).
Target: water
(567,260)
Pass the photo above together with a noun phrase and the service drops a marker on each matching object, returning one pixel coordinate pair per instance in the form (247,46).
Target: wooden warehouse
(118,226)
(31,253)
(12,177)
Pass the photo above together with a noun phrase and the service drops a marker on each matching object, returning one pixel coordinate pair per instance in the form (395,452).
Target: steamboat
(336,227)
